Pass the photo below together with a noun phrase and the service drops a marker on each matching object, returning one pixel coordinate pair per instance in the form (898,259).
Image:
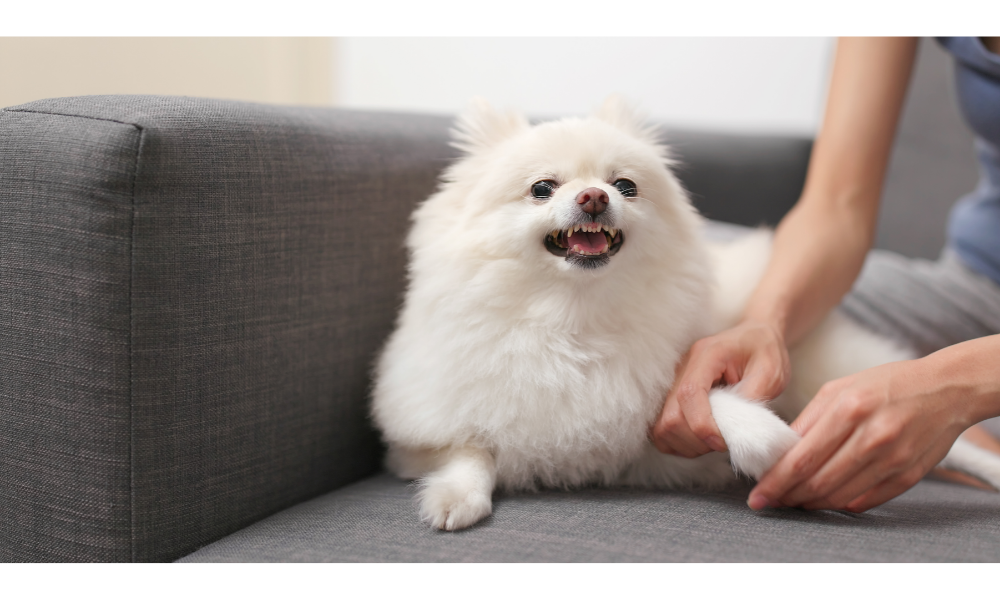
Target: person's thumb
(762,381)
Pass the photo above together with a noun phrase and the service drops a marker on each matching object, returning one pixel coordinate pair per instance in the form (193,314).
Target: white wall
(735,84)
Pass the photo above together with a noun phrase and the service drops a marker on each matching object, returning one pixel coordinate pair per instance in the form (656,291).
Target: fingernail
(715,443)
(758,502)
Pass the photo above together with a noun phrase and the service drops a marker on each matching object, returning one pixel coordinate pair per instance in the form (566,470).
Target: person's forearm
(816,257)
(820,246)
(967,376)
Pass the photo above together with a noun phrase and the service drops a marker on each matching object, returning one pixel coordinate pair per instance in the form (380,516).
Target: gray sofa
(191,295)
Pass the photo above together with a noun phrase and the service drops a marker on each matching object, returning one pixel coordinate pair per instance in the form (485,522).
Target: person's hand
(866,438)
(752,353)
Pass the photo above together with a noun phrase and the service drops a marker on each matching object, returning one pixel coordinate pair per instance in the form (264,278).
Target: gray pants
(924,304)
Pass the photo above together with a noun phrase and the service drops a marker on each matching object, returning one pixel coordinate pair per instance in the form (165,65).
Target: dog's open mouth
(587,245)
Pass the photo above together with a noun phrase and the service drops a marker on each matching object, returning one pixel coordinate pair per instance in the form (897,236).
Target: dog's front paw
(450,506)
(756,437)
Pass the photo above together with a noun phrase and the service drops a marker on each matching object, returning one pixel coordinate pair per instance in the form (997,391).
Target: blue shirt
(974,222)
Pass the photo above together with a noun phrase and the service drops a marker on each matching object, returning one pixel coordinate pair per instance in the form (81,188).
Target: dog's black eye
(543,189)
(627,188)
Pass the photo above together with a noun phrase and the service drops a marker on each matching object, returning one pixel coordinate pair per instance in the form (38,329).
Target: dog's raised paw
(450,508)
(756,437)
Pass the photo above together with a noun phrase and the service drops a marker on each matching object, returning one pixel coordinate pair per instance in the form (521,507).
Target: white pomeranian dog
(555,280)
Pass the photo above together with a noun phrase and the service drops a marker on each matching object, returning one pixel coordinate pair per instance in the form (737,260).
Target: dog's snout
(592,200)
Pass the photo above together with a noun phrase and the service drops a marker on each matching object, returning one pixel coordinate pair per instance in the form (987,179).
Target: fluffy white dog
(555,280)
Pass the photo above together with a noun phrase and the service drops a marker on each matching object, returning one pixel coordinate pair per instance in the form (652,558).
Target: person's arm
(871,436)
(819,247)
(821,244)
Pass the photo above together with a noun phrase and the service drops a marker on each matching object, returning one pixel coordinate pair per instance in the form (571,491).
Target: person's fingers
(693,400)
(765,376)
(662,446)
(687,445)
(836,492)
(818,406)
(886,490)
(686,422)
(801,462)
(924,461)
(869,455)
(671,433)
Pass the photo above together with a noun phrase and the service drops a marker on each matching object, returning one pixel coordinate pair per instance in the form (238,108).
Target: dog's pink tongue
(588,242)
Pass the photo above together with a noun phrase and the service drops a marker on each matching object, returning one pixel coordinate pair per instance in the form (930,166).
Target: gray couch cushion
(375,520)
(743,179)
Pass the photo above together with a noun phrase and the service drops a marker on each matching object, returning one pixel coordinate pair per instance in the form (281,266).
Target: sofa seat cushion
(375,520)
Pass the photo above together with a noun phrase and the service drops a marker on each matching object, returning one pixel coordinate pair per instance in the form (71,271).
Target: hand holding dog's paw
(450,506)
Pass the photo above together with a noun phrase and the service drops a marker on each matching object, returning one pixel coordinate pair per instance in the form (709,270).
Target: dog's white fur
(513,368)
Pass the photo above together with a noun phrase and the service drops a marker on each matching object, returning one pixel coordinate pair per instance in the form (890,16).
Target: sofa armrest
(191,296)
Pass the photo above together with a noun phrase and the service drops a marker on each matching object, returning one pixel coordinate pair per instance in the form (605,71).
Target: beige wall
(276,70)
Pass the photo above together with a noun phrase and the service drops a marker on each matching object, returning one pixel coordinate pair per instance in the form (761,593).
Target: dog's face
(578,180)
(574,196)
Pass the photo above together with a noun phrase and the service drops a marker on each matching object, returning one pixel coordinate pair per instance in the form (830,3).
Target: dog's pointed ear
(618,112)
(481,127)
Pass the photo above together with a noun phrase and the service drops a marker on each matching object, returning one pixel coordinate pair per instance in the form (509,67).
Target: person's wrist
(773,325)
(952,374)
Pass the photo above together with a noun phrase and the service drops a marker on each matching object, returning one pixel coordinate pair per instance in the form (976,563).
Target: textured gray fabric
(375,520)
(744,179)
(192,294)
(65,245)
(927,305)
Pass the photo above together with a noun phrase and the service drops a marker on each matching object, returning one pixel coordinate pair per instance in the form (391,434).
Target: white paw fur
(458,494)
(756,437)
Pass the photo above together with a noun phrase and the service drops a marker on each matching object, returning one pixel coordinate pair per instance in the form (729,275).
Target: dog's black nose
(592,201)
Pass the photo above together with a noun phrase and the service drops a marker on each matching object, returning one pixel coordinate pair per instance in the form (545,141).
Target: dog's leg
(459,493)
(653,469)
(413,463)
(756,437)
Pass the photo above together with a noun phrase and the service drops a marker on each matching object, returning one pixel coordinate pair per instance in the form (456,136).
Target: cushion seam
(131,334)
(62,114)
